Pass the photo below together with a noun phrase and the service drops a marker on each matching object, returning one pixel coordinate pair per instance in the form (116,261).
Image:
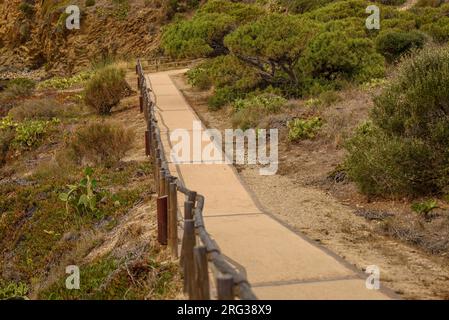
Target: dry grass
(103,143)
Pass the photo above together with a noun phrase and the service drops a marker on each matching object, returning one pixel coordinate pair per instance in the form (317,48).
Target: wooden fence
(163,64)
(200,257)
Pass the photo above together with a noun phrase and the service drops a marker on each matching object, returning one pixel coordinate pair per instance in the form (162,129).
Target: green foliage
(425,208)
(300,129)
(248,112)
(30,132)
(438,30)
(405,149)
(203,35)
(356,60)
(301,6)
(221,97)
(198,77)
(105,89)
(84,196)
(90,3)
(62,83)
(273,45)
(12,290)
(393,43)
(267,102)
(27,133)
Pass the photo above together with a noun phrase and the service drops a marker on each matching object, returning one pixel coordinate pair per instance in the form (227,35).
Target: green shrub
(105,89)
(12,290)
(102,143)
(425,208)
(84,196)
(203,35)
(30,132)
(248,112)
(438,30)
(406,149)
(198,77)
(90,3)
(42,109)
(300,129)
(62,83)
(222,96)
(338,56)
(392,43)
(265,102)
(27,133)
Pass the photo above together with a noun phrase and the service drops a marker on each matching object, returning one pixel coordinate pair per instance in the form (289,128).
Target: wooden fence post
(188,266)
(192,197)
(141,103)
(225,287)
(173,219)
(147,143)
(201,274)
(162,220)
(162,182)
(138,82)
(188,215)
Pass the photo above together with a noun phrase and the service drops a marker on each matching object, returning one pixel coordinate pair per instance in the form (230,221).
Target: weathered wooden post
(162,182)
(192,197)
(188,215)
(201,274)
(189,244)
(141,103)
(173,219)
(225,287)
(162,220)
(147,143)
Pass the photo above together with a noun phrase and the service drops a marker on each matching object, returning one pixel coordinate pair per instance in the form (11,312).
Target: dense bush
(102,143)
(405,151)
(203,35)
(335,55)
(392,43)
(105,89)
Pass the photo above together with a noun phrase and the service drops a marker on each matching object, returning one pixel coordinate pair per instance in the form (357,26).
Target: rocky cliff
(33,34)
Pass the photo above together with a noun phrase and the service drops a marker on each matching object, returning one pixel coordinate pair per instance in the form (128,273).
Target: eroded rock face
(33,33)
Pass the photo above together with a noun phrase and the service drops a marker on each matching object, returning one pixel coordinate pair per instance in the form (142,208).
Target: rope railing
(198,250)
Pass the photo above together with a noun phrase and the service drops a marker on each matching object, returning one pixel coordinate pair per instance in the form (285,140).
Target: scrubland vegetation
(287,64)
(260,55)
(65,188)
(65,192)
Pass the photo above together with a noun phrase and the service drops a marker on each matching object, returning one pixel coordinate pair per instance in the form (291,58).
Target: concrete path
(279,263)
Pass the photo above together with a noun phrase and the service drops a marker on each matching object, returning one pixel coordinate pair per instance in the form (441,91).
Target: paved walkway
(280,264)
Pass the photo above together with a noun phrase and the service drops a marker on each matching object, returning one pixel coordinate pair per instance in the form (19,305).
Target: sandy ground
(312,207)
